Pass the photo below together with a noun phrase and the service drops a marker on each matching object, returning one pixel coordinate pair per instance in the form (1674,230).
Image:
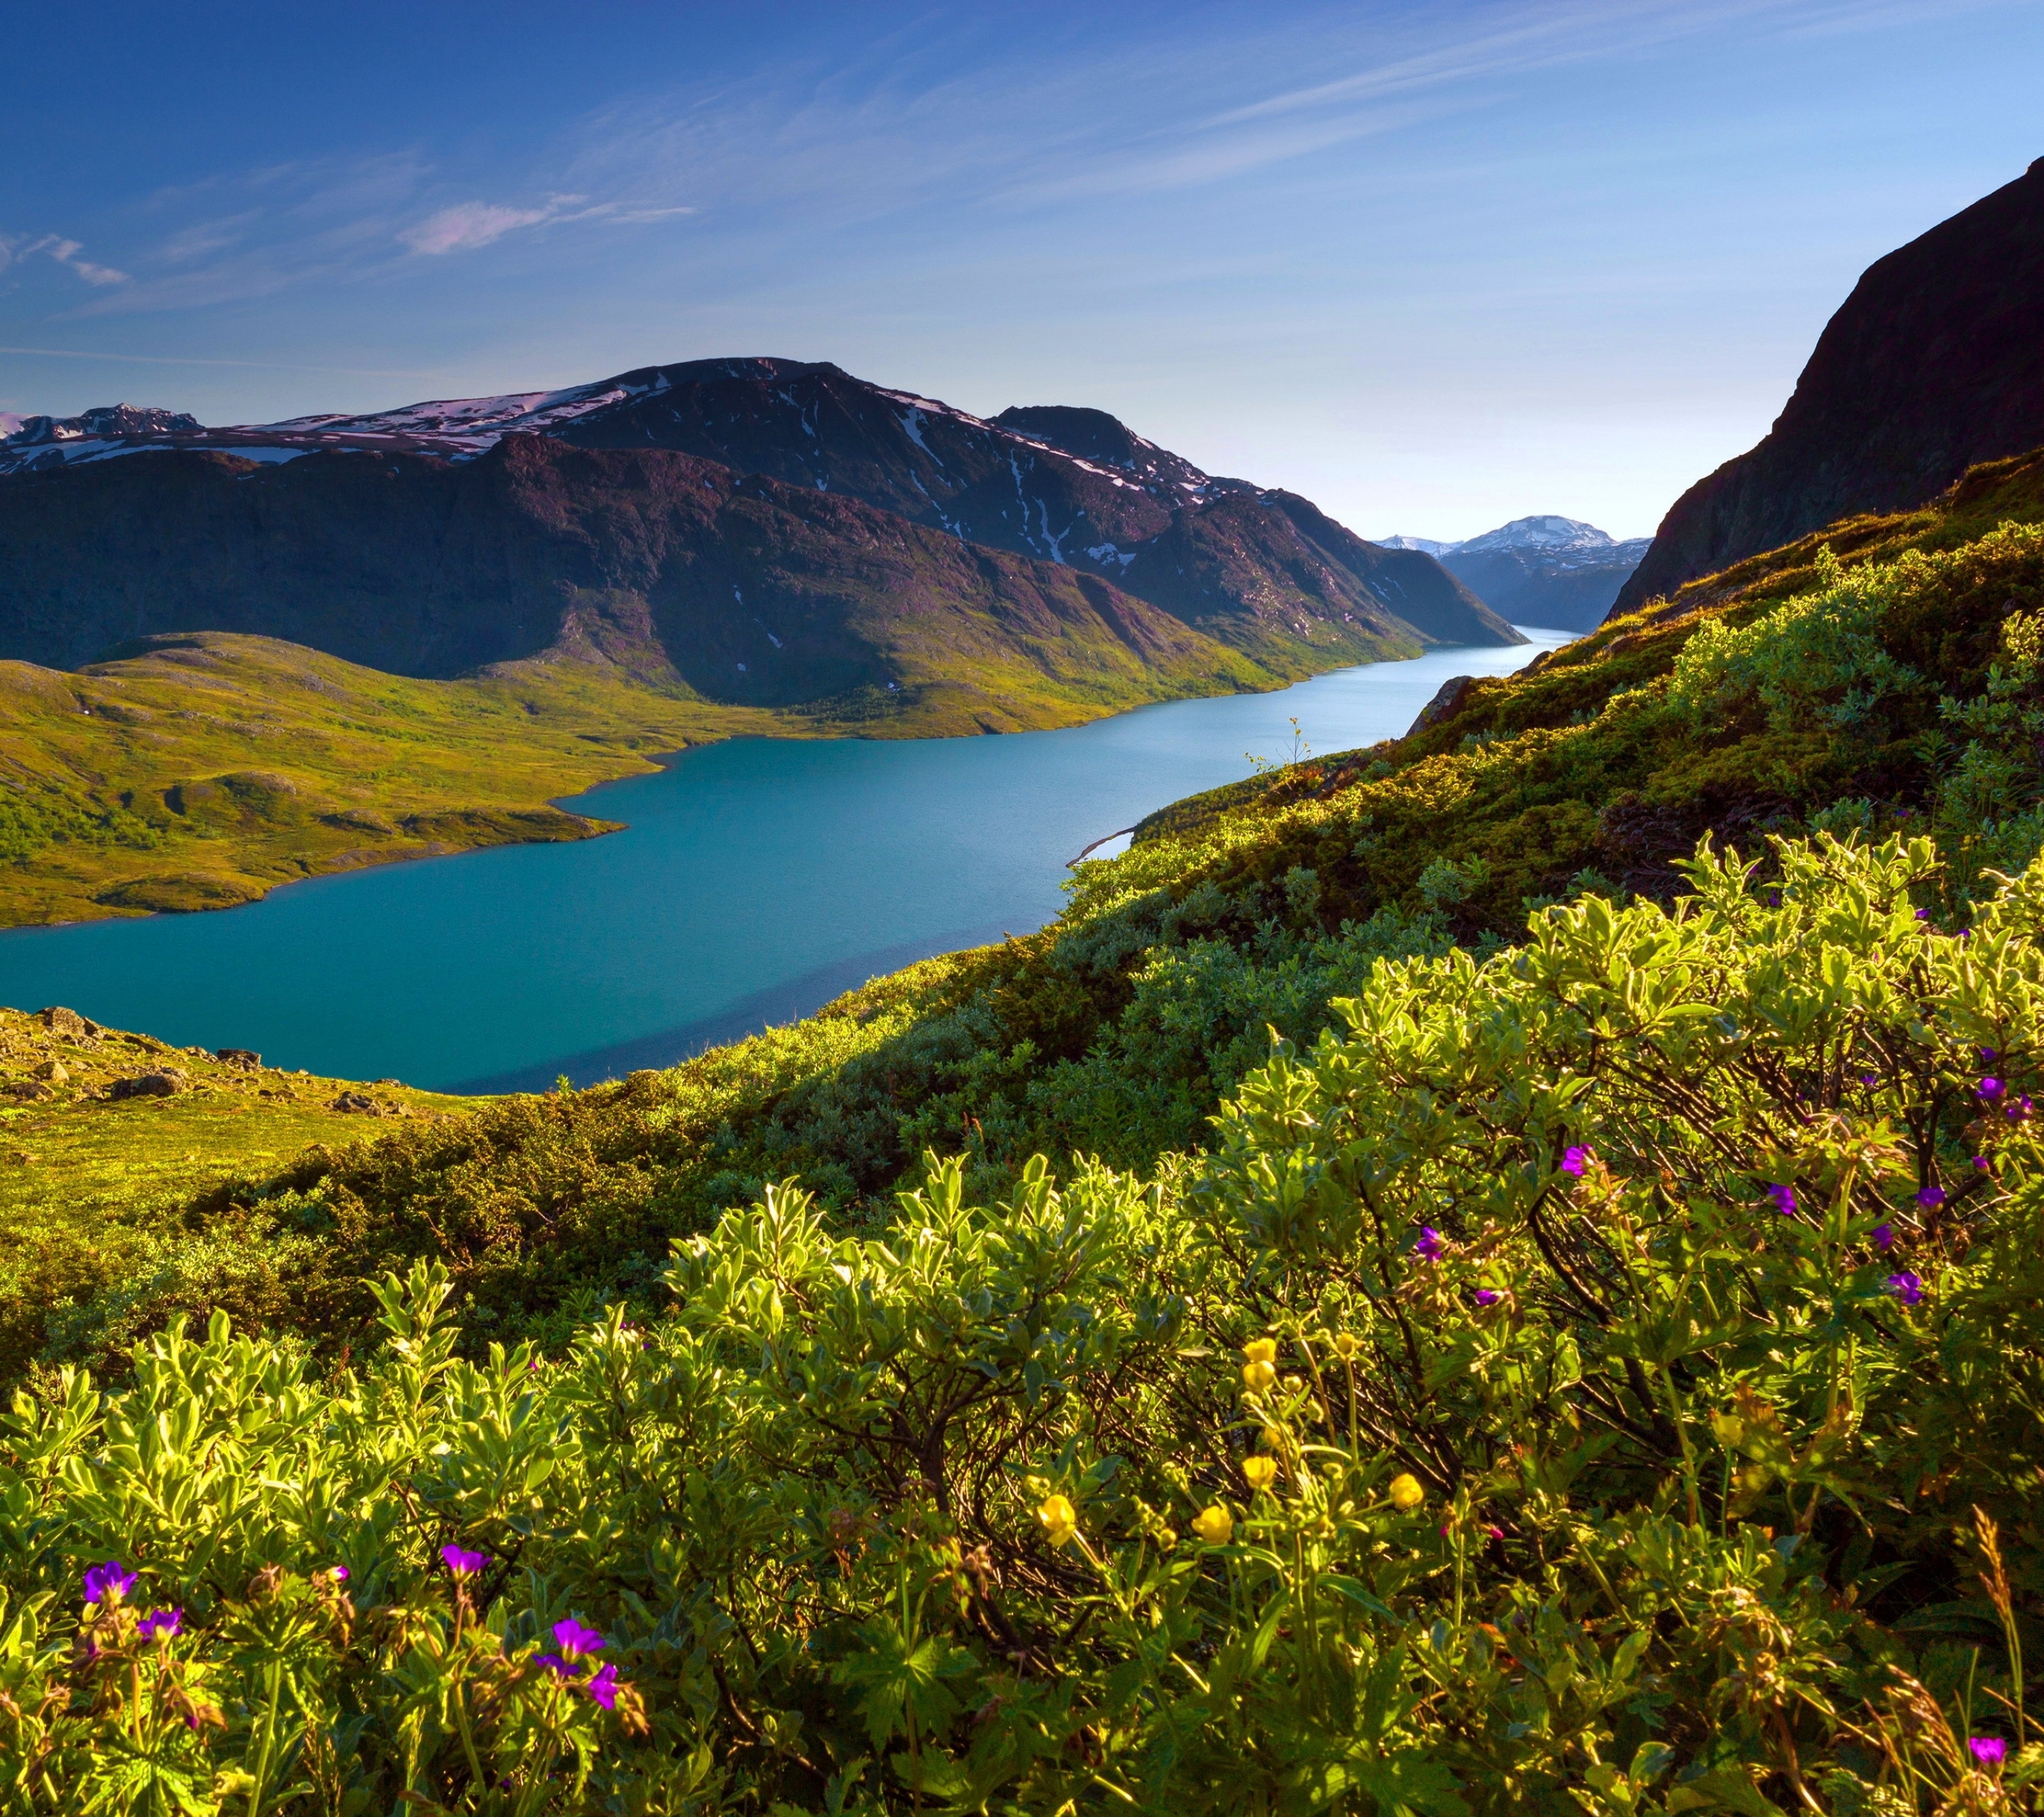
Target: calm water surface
(756,879)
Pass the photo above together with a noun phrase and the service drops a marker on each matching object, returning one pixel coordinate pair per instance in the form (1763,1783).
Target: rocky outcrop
(1935,362)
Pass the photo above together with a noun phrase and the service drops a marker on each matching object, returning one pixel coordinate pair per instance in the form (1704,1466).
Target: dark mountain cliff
(1935,362)
(674,568)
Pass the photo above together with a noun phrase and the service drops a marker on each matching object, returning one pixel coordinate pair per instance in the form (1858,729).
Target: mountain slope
(1068,486)
(1934,362)
(1261,571)
(670,569)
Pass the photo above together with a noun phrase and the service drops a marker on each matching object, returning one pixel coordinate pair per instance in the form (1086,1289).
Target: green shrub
(1605,1378)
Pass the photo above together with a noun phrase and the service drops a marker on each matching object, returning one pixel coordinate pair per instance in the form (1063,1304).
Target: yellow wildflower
(1347,1344)
(1728,1428)
(1060,1518)
(1214,1526)
(1259,1473)
(1258,1376)
(1260,1350)
(1275,1437)
(1405,1492)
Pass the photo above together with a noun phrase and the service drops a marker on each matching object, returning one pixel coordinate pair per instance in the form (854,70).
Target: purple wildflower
(1931,1198)
(160,1624)
(603,1687)
(1430,1244)
(108,1583)
(1982,1162)
(1883,1236)
(1488,1296)
(1573,1160)
(1989,1750)
(463,1564)
(575,1639)
(1908,1286)
(1869,1078)
(2018,1108)
(1989,1088)
(339,1573)
(1784,1199)
(1774,899)
(1986,1056)
(1923,914)
(554,1663)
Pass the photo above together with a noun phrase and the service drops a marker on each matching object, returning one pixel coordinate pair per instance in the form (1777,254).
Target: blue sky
(1434,266)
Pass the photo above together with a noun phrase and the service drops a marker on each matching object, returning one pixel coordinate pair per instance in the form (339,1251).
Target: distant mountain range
(762,532)
(1555,572)
(1935,362)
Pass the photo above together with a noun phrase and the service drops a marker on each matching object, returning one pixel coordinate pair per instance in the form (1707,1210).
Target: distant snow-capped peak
(1549,534)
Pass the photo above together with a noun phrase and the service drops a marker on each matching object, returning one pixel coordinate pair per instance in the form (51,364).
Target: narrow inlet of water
(755,880)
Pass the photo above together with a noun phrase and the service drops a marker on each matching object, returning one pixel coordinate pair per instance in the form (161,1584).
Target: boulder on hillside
(165,1085)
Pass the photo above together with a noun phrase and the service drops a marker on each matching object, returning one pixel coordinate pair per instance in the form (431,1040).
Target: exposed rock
(54,1070)
(27,1091)
(67,1024)
(358,1102)
(165,1085)
(1447,699)
(1935,362)
(248,1060)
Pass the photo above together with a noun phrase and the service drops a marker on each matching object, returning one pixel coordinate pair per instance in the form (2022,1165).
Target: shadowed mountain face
(1262,571)
(673,569)
(1935,362)
(1072,491)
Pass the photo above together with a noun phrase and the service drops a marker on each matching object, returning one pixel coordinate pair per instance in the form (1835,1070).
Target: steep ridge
(671,569)
(1556,571)
(1935,362)
(1262,571)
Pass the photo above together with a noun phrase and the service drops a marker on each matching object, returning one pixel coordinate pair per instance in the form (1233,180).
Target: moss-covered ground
(89,1180)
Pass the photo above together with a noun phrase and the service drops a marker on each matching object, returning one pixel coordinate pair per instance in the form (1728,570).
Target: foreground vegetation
(1591,1362)
(1603,1377)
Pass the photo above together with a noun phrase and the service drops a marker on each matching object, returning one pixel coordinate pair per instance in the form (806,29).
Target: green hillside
(204,769)
(1591,1362)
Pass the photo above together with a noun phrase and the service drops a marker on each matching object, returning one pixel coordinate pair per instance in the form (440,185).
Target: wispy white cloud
(470,224)
(64,251)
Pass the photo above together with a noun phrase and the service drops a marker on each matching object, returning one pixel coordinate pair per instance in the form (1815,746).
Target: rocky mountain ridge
(1263,572)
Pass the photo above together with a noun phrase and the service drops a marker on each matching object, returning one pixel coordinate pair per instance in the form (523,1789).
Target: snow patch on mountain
(1566,540)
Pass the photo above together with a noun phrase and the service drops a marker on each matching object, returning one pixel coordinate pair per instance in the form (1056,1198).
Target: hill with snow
(1555,572)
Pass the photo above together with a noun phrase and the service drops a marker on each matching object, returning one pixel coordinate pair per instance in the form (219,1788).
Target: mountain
(1556,571)
(1934,362)
(674,571)
(1072,491)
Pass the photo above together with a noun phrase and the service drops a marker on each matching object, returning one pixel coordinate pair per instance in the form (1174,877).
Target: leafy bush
(1605,1378)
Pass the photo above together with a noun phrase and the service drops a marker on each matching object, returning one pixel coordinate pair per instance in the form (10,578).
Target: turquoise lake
(756,879)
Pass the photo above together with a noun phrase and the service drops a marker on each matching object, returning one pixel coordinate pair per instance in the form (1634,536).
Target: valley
(1488,1260)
